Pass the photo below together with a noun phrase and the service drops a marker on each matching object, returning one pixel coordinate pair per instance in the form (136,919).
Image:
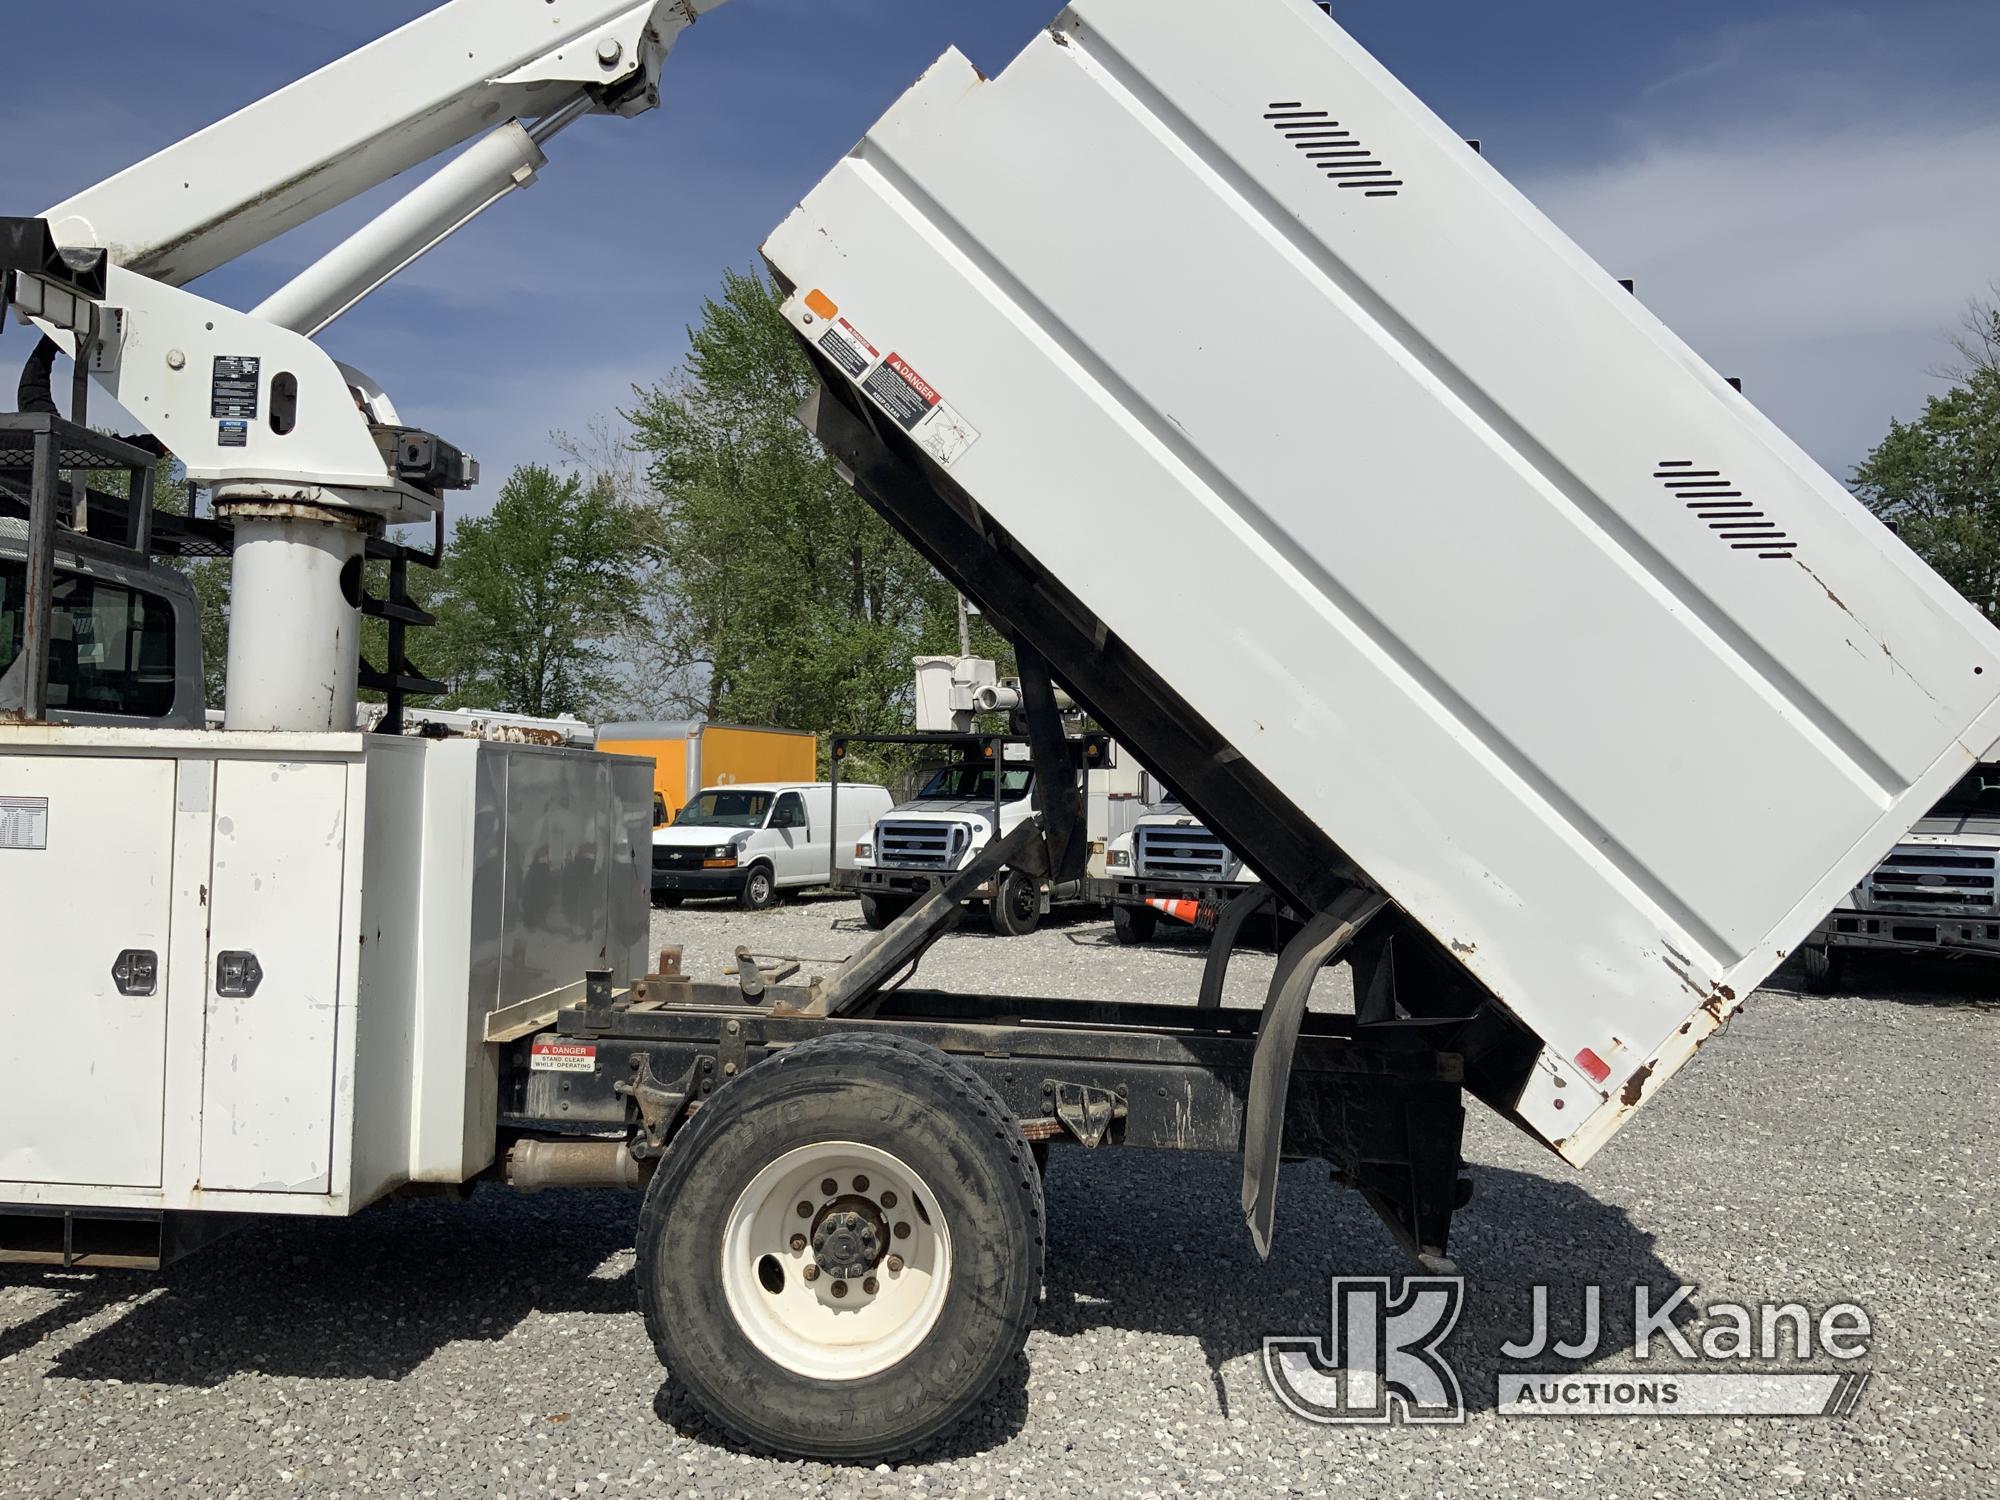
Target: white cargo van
(753,842)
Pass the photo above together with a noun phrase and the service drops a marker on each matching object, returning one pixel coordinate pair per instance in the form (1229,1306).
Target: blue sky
(1809,193)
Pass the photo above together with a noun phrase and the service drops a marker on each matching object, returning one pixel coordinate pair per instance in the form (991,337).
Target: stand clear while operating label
(563,1057)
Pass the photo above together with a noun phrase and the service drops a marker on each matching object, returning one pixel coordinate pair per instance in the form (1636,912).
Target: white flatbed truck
(1496,528)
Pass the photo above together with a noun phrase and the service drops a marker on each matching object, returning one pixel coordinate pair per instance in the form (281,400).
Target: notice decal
(24,822)
(843,344)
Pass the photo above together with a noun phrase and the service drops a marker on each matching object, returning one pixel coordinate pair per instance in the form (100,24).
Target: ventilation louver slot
(1714,500)
(1334,151)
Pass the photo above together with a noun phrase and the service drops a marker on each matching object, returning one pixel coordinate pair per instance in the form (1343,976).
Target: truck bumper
(698,882)
(1133,890)
(1910,932)
(898,883)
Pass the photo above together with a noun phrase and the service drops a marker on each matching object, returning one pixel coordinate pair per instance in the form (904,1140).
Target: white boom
(305,454)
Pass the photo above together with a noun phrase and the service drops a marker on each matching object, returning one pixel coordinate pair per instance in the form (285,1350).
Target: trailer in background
(688,755)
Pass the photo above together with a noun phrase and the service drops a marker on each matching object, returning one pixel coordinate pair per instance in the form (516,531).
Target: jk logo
(1380,1361)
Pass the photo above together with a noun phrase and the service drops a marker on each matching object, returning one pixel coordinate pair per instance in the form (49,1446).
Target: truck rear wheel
(841,1253)
(1824,966)
(1134,924)
(1016,907)
(879,911)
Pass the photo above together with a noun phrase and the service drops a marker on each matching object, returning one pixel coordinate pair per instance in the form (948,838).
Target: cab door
(791,832)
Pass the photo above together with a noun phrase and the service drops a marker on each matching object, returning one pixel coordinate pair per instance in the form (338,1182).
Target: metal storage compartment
(281,956)
(1508,599)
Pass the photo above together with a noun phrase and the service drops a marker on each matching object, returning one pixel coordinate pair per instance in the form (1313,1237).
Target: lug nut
(902,1231)
(805,1210)
(870,1286)
(895,1264)
(811,1273)
(829,1187)
(798,1243)
(861,1184)
(888,1200)
(840,1289)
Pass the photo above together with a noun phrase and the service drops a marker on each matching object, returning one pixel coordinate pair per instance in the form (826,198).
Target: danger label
(563,1057)
(843,344)
(902,392)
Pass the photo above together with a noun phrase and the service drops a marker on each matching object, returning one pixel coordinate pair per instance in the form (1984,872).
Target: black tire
(760,889)
(1134,924)
(1824,967)
(953,1131)
(669,898)
(1016,907)
(879,911)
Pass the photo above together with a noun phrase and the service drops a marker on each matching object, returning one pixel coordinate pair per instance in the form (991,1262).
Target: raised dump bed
(1475,583)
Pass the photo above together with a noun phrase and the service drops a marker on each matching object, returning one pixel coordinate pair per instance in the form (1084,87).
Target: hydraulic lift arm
(308,455)
(400,100)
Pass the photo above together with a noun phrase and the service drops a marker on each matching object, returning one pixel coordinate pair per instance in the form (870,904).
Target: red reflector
(1595,1066)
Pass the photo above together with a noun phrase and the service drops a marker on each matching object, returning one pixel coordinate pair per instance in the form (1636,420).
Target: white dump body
(1582,660)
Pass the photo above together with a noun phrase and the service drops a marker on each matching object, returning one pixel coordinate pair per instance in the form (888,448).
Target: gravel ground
(1822,1149)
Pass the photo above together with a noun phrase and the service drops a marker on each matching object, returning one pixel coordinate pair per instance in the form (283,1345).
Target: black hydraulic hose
(36,394)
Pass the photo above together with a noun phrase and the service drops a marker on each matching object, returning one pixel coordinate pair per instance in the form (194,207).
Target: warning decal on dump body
(903,393)
(843,344)
(563,1057)
(916,405)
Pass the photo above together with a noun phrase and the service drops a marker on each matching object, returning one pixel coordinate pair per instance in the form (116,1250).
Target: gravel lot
(1822,1149)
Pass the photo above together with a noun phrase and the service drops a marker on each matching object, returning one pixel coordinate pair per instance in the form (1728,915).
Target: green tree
(1938,477)
(531,597)
(788,600)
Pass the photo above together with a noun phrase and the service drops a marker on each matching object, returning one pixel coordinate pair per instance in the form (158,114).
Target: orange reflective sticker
(820,304)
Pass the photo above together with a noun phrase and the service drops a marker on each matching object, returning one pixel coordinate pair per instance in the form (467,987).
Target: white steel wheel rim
(832,1328)
(760,885)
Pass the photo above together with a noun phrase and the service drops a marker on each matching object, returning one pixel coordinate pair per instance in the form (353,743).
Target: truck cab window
(790,812)
(972,781)
(111,648)
(1976,796)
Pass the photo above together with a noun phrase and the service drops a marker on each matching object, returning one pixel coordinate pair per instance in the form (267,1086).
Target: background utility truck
(1271,307)
(1937,892)
(1168,865)
(985,789)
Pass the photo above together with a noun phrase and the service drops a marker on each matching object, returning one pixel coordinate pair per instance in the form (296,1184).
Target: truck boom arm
(357,122)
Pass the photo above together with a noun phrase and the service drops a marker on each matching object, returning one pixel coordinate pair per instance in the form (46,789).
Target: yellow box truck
(693,754)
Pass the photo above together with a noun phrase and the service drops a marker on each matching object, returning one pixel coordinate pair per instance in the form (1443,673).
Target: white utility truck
(987,788)
(1560,697)
(1169,864)
(754,842)
(1937,892)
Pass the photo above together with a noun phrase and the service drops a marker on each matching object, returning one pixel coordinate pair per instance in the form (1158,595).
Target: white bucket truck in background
(984,790)
(1167,865)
